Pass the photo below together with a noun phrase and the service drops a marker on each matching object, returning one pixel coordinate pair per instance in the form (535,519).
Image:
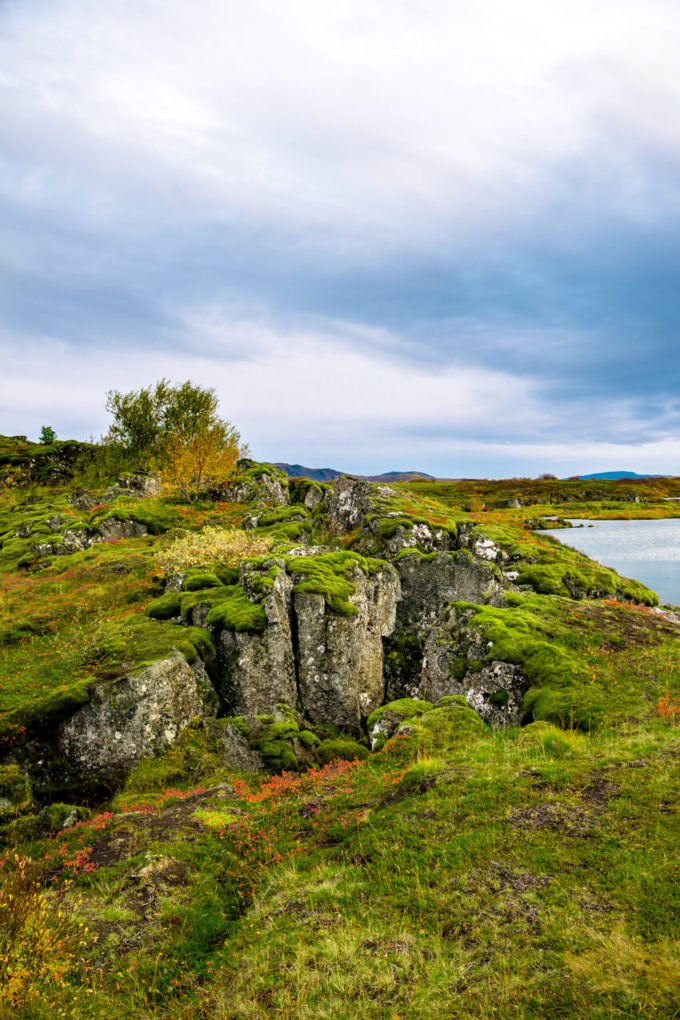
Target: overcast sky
(393,234)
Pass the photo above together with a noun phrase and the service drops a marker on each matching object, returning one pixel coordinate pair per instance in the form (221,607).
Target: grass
(462,874)
(456,872)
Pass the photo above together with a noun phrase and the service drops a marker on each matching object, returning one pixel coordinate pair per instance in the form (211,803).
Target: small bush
(226,546)
(38,932)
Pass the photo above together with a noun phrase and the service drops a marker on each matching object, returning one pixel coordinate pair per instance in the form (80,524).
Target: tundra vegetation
(492,830)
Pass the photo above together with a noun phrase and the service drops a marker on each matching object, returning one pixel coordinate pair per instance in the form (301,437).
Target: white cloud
(315,397)
(303,384)
(390,119)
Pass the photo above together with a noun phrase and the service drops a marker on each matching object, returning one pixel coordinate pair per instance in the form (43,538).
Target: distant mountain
(330,474)
(615,474)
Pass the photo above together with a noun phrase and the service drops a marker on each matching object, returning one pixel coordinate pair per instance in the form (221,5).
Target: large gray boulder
(136,716)
(258,669)
(456,661)
(428,585)
(348,504)
(112,529)
(340,659)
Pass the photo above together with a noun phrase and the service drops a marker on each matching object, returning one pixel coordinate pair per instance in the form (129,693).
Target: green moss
(308,738)
(233,611)
(281,515)
(164,608)
(458,668)
(54,817)
(327,576)
(415,554)
(444,727)
(405,707)
(278,731)
(343,748)
(227,575)
(499,699)
(452,699)
(44,713)
(556,743)
(263,580)
(198,580)
(15,791)
(215,818)
(299,487)
(292,531)
(552,568)
(531,634)
(278,755)
(17,552)
(252,471)
(156,516)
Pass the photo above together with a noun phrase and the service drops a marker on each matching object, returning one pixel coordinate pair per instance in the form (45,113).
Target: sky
(431,235)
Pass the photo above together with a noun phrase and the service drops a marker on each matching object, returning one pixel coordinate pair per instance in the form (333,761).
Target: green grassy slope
(459,872)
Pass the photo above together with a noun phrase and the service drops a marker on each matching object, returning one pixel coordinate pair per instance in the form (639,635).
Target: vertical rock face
(428,585)
(340,659)
(452,664)
(348,503)
(258,670)
(419,655)
(135,717)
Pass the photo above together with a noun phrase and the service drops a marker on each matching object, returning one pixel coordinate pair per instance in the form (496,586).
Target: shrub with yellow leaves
(226,546)
(39,933)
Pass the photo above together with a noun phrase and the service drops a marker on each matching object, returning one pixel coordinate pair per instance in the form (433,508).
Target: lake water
(648,551)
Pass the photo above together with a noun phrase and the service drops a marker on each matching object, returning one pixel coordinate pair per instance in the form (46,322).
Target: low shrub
(226,546)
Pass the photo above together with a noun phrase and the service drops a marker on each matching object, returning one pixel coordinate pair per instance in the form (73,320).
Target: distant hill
(330,474)
(616,474)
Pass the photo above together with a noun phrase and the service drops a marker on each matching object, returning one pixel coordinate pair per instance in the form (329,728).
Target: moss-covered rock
(385,721)
(55,817)
(342,748)
(167,607)
(15,791)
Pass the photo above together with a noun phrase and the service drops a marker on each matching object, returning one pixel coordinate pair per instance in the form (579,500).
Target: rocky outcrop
(237,752)
(456,660)
(112,529)
(137,486)
(326,663)
(134,717)
(340,659)
(255,483)
(348,504)
(430,583)
(419,653)
(257,670)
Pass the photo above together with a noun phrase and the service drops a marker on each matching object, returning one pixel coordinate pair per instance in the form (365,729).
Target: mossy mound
(404,707)
(436,730)
(552,568)
(341,748)
(555,742)
(229,608)
(328,576)
(530,633)
(55,817)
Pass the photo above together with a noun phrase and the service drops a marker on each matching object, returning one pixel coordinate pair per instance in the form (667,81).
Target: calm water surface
(648,551)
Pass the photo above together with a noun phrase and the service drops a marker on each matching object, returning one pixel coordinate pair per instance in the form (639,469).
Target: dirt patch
(600,792)
(519,881)
(568,821)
